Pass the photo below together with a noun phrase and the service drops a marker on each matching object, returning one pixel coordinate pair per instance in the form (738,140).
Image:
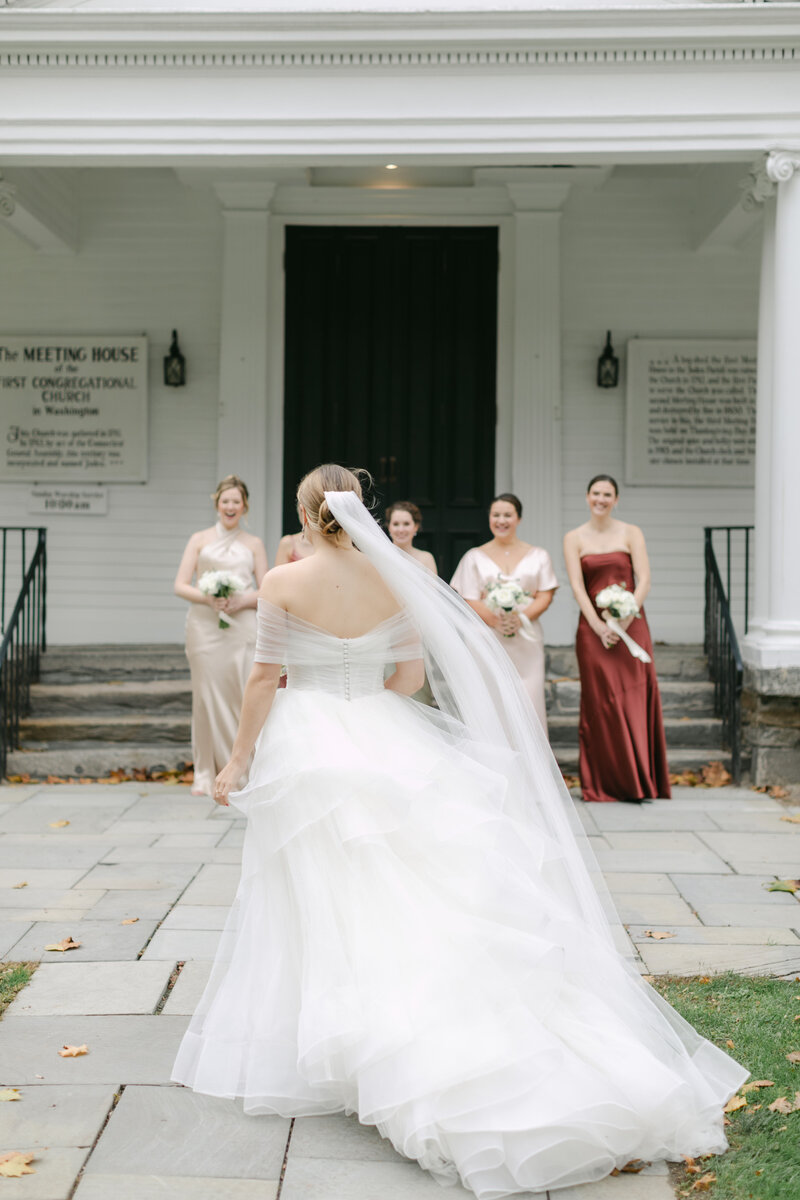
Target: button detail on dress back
(346,663)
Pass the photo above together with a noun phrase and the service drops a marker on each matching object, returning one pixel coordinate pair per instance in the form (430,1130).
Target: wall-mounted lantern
(175,365)
(608,366)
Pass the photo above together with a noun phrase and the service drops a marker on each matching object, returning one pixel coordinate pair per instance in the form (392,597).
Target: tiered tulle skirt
(401,949)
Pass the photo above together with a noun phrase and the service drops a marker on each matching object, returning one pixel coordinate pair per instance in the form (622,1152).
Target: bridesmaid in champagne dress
(623,752)
(220,659)
(530,566)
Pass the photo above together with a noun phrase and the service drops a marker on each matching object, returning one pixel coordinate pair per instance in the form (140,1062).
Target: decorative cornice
(7,201)
(781,165)
(366,59)
(756,188)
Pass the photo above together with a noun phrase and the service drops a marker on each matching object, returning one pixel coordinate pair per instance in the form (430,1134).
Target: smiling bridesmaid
(506,556)
(220,659)
(623,753)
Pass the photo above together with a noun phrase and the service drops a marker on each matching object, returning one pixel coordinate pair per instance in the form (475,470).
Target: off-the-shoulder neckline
(396,617)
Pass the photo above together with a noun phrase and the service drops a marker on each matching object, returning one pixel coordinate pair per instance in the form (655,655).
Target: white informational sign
(73,409)
(92,501)
(691,413)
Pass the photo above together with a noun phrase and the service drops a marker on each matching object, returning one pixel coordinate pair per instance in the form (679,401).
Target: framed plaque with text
(691,413)
(73,409)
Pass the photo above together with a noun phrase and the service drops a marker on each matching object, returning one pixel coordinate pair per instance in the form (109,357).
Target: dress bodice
(534,572)
(316,660)
(227,553)
(601,570)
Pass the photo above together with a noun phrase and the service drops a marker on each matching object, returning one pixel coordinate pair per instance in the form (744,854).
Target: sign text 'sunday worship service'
(73,409)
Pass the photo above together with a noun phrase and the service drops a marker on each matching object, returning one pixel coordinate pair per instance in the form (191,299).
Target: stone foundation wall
(771,718)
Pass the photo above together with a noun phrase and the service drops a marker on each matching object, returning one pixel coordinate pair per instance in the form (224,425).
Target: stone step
(682,733)
(672,662)
(685,697)
(689,759)
(84,664)
(112,696)
(73,760)
(141,728)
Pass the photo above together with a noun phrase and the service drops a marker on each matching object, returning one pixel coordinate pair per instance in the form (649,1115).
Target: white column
(774,642)
(536,447)
(243,382)
(762,193)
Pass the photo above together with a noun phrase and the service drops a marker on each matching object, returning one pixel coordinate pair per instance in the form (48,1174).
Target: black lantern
(608,366)
(175,365)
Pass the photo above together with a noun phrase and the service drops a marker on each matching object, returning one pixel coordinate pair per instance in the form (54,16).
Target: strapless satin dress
(623,751)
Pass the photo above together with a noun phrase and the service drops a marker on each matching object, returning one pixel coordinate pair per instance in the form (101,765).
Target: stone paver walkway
(694,867)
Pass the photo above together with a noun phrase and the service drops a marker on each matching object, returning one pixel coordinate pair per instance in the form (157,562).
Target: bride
(420,934)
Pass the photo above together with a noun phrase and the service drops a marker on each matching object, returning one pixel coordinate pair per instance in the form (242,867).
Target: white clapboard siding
(149,261)
(629,267)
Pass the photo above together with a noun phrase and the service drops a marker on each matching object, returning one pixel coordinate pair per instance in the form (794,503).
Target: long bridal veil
(475,684)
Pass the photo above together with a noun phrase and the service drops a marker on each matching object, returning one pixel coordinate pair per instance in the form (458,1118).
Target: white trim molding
(676,83)
(387,59)
(781,165)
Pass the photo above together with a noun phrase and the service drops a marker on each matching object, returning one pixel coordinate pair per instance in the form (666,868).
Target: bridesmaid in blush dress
(292,548)
(623,753)
(220,659)
(506,556)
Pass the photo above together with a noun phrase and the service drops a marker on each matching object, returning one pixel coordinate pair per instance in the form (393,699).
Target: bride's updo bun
(330,477)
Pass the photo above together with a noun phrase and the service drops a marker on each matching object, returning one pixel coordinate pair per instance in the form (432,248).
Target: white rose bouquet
(220,584)
(620,603)
(506,595)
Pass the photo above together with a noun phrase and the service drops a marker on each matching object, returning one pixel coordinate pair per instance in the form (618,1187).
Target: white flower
(219,583)
(506,595)
(222,584)
(618,600)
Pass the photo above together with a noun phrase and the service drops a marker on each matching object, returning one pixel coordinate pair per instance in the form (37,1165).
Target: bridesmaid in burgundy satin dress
(623,754)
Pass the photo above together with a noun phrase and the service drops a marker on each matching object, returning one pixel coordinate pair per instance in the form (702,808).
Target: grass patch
(757,1015)
(13,977)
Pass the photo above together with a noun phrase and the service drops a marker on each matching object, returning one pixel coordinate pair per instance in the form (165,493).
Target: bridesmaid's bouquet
(221,584)
(620,603)
(506,595)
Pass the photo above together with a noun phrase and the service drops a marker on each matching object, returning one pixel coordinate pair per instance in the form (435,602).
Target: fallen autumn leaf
(129,921)
(10,1094)
(793,1056)
(65,944)
(14,1164)
(20,885)
(58,824)
(73,1051)
(734,1104)
(657,934)
(714,775)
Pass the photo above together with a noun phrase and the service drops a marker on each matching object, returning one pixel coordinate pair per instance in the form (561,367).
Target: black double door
(390,364)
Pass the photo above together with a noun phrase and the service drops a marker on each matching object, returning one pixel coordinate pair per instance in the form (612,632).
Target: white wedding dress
(408,944)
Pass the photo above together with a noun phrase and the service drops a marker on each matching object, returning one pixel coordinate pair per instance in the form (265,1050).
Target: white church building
(396,233)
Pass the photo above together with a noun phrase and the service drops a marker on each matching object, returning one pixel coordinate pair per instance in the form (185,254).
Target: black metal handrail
(736,568)
(722,650)
(24,640)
